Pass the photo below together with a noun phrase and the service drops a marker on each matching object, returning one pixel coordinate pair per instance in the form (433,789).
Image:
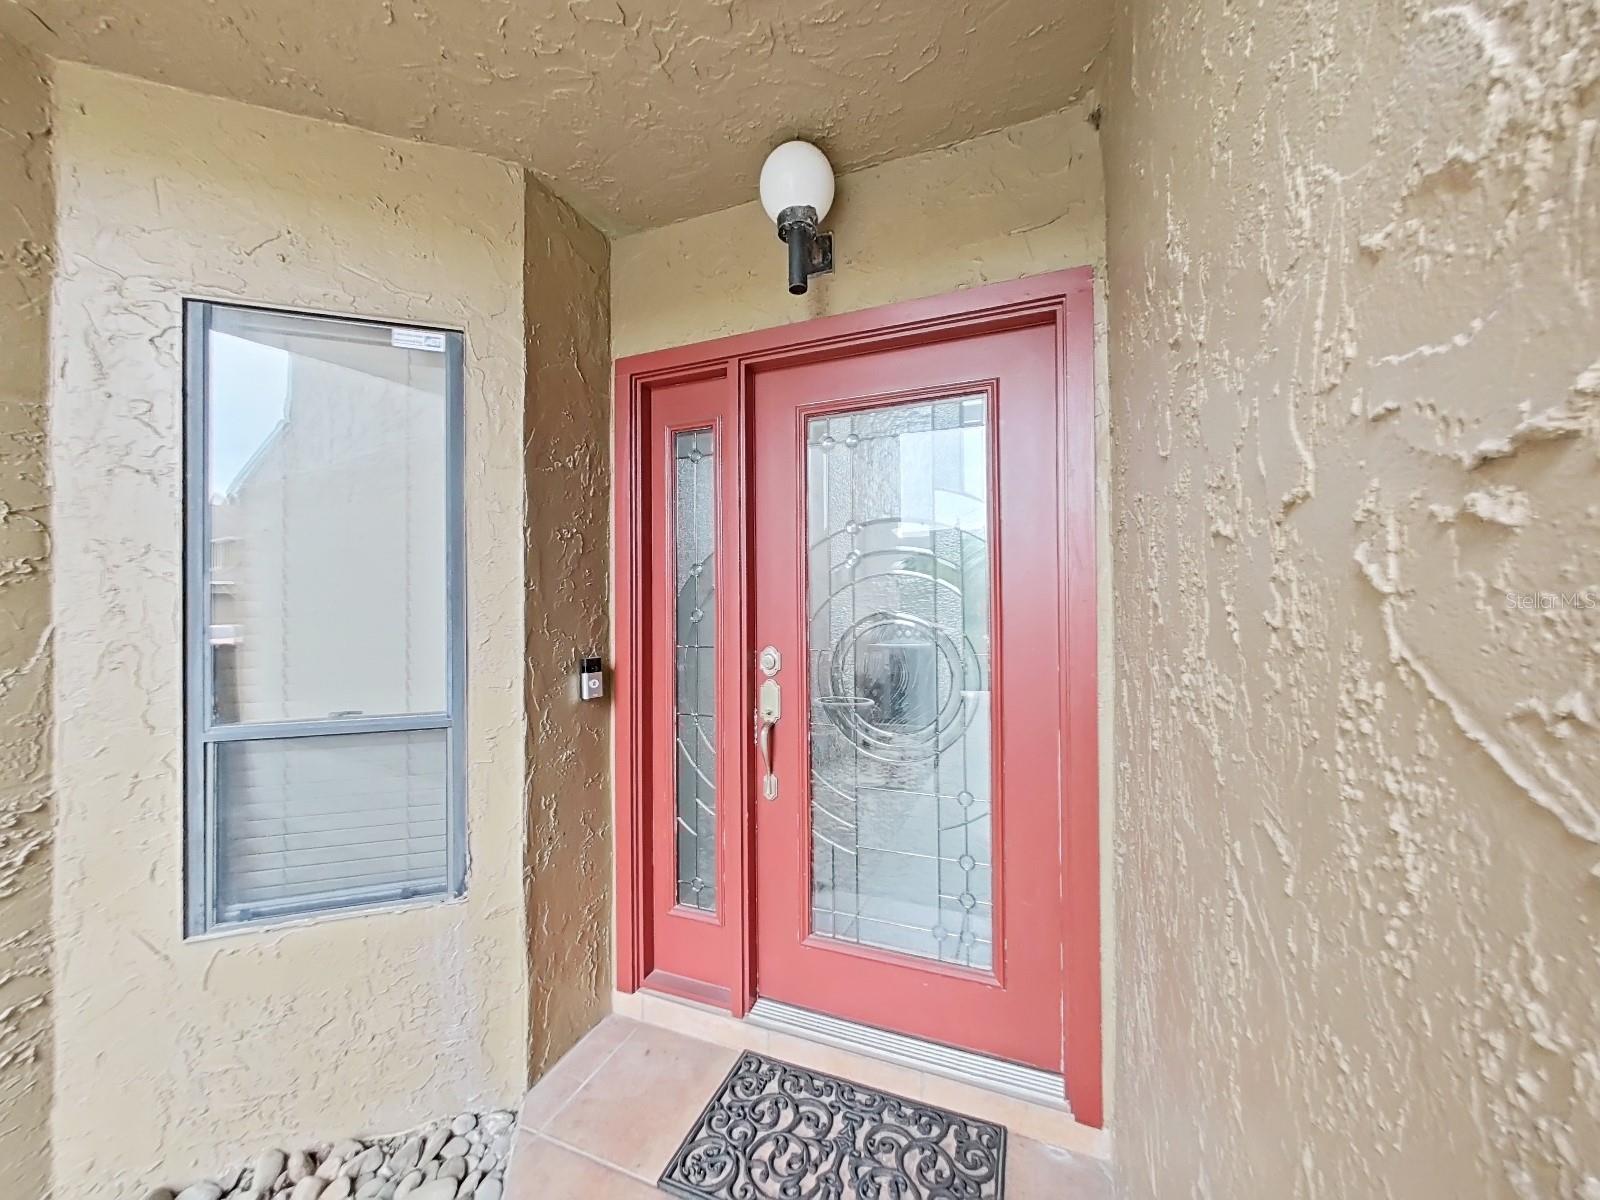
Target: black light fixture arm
(810,251)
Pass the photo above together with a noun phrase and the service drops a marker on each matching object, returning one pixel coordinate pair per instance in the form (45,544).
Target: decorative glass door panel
(898,587)
(906,577)
(694,658)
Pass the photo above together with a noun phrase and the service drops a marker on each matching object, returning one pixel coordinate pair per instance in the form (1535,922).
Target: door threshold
(861,1055)
(996,1075)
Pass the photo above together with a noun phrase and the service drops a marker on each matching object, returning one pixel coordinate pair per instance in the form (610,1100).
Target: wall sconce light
(797,191)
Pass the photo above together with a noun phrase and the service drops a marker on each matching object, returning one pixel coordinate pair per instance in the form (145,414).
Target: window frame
(200,917)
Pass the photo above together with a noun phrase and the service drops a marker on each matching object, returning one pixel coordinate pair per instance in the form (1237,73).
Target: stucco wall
(566,434)
(1354,252)
(1022,201)
(26,238)
(175,1057)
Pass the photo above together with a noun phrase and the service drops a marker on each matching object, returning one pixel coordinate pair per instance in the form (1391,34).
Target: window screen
(323,615)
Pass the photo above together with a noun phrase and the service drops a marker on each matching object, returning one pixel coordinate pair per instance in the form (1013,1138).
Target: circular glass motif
(899,671)
(896,675)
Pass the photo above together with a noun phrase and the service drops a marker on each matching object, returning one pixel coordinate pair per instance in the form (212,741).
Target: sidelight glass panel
(898,533)
(694,612)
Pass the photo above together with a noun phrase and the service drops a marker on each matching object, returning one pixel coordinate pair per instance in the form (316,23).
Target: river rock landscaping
(463,1158)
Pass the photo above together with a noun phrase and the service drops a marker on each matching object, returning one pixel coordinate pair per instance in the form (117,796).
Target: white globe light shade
(796,173)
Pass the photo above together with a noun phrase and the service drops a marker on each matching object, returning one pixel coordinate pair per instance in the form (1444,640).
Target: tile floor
(603,1122)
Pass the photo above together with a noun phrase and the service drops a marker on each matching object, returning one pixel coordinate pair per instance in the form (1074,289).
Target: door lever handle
(769,709)
(769,780)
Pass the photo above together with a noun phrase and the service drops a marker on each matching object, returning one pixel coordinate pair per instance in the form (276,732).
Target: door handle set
(769,710)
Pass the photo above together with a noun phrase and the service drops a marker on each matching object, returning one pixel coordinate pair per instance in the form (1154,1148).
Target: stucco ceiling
(639,112)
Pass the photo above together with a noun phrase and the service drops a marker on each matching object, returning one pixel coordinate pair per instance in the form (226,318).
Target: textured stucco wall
(26,241)
(1354,252)
(174,1057)
(566,436)
(1022,201)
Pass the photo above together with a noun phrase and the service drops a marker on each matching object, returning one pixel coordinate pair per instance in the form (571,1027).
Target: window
(323,616)
(694,569)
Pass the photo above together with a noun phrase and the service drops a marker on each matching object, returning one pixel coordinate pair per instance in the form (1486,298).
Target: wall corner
(566,447)
(27,259)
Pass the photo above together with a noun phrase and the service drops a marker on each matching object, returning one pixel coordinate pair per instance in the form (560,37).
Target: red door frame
(646,932)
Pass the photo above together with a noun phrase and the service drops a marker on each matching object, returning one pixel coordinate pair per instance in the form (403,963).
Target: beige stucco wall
(567,453)
(1023,201)
(26,238)
(1354,253)
(174,1057)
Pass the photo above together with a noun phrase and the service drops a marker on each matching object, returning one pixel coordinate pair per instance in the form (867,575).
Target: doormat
(775,1131)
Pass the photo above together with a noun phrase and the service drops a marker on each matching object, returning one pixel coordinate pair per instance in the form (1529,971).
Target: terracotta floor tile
(1035,1171)
(639,1105)
(604,1120)
(558,1084)
(542,1170)
(691,1020)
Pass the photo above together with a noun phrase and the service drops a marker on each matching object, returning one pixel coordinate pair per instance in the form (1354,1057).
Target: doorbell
(591,678)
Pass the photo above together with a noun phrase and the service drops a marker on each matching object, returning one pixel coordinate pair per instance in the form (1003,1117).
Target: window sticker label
(417,339)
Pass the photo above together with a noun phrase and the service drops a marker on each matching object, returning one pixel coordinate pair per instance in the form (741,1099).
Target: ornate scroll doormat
(774,1131)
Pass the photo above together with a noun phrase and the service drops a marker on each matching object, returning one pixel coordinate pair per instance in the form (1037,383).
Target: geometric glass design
(898,585)
(694,656)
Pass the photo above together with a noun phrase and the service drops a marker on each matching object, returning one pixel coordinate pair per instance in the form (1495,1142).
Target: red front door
(905,533)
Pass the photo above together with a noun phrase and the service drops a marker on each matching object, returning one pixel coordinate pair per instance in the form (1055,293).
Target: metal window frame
(199,827)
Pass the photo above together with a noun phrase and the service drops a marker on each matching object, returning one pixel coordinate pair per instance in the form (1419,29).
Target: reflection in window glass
(326,487)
